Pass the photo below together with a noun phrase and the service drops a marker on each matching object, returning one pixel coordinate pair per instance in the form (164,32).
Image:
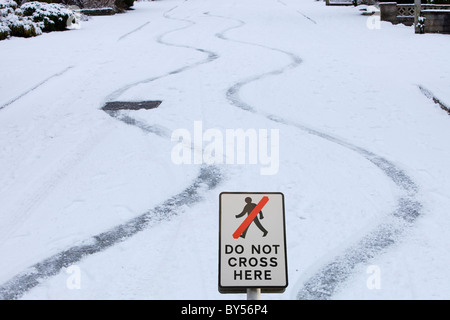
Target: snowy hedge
(13,24)
(32,18)
(439,1)
(4,31)
(49,16)
(116,5)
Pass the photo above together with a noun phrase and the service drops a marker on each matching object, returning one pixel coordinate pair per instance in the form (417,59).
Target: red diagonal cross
(244,225)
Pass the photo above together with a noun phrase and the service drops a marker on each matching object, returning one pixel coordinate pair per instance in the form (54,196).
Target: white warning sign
(252,242)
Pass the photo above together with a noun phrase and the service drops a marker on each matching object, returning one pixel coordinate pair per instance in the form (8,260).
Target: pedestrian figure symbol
(249,207)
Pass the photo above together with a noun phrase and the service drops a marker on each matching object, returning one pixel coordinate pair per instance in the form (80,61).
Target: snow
(358,140)
(7,4)
(368,10)
(436,10)
(32,18)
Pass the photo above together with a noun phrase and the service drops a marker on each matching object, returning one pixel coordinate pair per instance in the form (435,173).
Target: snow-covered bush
(8,4)
(116,5)
(12,24)
(49,16)
(5,31)
(22,26)
(32,18)
(5,10)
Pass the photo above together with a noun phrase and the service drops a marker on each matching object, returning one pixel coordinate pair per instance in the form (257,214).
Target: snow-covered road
(362,151)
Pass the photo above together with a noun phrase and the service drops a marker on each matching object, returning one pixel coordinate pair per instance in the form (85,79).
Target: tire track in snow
(298,11)
(38,189)
(233,92)
(208,179)
(427,93)
(211,56)
(58,74)
(133,31)
(327,279)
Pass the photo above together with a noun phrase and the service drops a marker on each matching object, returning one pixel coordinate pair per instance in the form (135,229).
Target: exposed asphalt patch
(120,110)
(131,105)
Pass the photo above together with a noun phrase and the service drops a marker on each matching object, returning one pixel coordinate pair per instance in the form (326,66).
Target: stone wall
(436,21)
(388,12)
(437,17)
(98,12)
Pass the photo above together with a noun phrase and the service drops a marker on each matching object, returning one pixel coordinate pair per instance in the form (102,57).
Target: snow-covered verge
(32,18)
(13,23)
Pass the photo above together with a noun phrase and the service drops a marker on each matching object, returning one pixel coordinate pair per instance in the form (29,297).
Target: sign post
(253,294)
(417,9)
(252,243)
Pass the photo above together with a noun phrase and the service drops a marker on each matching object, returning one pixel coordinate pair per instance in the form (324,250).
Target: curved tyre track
(211,56)
(208,178)
(133,31)
(299,12)
(58,74)
(327,279)
(233,92)
(427,93)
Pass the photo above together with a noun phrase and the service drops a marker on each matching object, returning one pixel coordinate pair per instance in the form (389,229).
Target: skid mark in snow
(49,179)
(299,12)
(431,96)
(58,74)
(211,56)
(208,178)
(326,280)
(133,31)
(233,92)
